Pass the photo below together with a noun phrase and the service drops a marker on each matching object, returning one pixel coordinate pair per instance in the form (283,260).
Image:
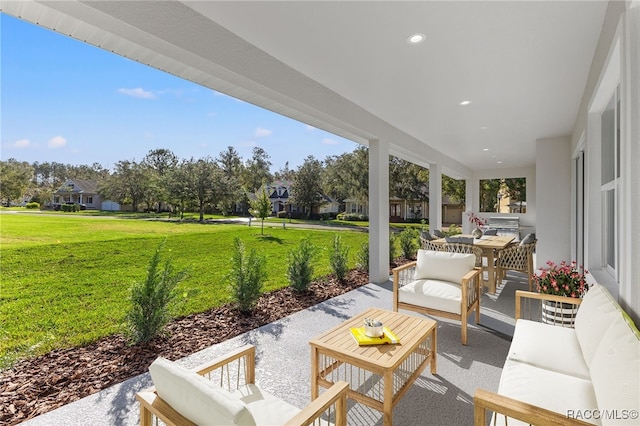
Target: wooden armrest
(336,394)
(484,400)
(521,294)
(403,267)
(471,273)
(152,405)
(248,351)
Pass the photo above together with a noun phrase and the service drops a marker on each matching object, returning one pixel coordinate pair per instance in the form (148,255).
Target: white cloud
(309,127)
(57,142)
(260,132)
(21,143)
(327,141)
(137,93)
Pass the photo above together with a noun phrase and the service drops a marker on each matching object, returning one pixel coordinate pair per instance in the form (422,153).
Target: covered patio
(546,91)
(283,364)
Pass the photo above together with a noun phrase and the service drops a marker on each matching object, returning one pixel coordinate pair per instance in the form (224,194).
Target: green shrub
(248,273)
(153,299)
(339,258)
(33,205)
(362,261)
(408,243)
(392,246)
(352,217)
(300,271)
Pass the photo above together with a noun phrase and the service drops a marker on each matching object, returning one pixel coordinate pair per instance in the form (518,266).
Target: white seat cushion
(540,344)
(443,266)
(615,371)
(557,392)
(594,316)
(433,294)
(266,409)
(195,397)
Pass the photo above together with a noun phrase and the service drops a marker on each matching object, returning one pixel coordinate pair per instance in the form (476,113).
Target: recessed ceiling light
(485,149)
(465,103)
(499,162)
(416,38)
(483,128)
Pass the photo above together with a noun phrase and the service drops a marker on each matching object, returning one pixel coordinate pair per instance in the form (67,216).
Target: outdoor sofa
(555,375)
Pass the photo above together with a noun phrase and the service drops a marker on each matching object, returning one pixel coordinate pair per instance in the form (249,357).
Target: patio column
(469,204)
(378,211)
(435,197)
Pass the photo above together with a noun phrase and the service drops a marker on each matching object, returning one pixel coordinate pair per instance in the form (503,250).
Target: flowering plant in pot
(566,279)
(478,222)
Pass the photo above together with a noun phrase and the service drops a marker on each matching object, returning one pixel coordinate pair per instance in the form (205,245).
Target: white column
(470,205)
(435,197)
(378,211)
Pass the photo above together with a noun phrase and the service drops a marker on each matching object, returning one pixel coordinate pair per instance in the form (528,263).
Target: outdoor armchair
(224,390)
(519,258)
(441,284)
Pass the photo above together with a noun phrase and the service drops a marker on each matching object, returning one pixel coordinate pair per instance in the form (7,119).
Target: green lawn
(66,279)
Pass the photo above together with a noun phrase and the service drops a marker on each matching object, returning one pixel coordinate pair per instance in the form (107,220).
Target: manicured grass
(66,279)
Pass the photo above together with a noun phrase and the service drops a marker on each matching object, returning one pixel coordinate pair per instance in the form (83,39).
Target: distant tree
(128,184)
(489,189)
(179,185)
(208,182)
(407,180)
(15,179)
(160,163)
(257,171)
(261,206)
(455,189)
(336,177)
(232,168)
(285,173)
(359,176)
(306,189)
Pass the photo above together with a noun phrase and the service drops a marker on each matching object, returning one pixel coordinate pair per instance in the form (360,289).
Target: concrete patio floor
(283,364)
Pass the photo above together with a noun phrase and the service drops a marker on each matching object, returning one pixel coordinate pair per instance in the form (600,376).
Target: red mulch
(38,385)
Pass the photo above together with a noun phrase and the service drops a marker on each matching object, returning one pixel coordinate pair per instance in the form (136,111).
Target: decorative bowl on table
(373,327)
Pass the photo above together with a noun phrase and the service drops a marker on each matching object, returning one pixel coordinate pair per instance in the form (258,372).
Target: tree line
(161,180)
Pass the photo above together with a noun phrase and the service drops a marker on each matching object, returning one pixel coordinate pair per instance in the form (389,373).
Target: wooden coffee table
(378,375)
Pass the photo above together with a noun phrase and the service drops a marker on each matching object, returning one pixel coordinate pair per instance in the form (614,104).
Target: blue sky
(65,101)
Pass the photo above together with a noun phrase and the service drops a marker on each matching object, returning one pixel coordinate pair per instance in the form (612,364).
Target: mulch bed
(38,385)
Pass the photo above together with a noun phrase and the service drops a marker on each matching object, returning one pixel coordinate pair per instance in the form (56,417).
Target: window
(610,181)
(89,200)
(503,195)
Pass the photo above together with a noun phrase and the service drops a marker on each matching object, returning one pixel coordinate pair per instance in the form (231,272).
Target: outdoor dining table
(489,244)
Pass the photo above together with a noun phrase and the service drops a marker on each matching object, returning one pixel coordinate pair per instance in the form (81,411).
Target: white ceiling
(346,66)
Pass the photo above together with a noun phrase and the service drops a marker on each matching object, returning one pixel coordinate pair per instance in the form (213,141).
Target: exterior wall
(615,62)
(553,195)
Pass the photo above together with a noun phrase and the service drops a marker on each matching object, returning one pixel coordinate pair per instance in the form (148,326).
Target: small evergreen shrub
(392,246)
(248,273)
(408,243)
(33,205)
(300,270)
(338,258)
(362,261)
(352,217)
(152,299)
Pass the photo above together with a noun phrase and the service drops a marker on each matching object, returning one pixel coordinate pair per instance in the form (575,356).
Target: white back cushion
(195,397)
(442,265)
(615,370)
(596,312)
